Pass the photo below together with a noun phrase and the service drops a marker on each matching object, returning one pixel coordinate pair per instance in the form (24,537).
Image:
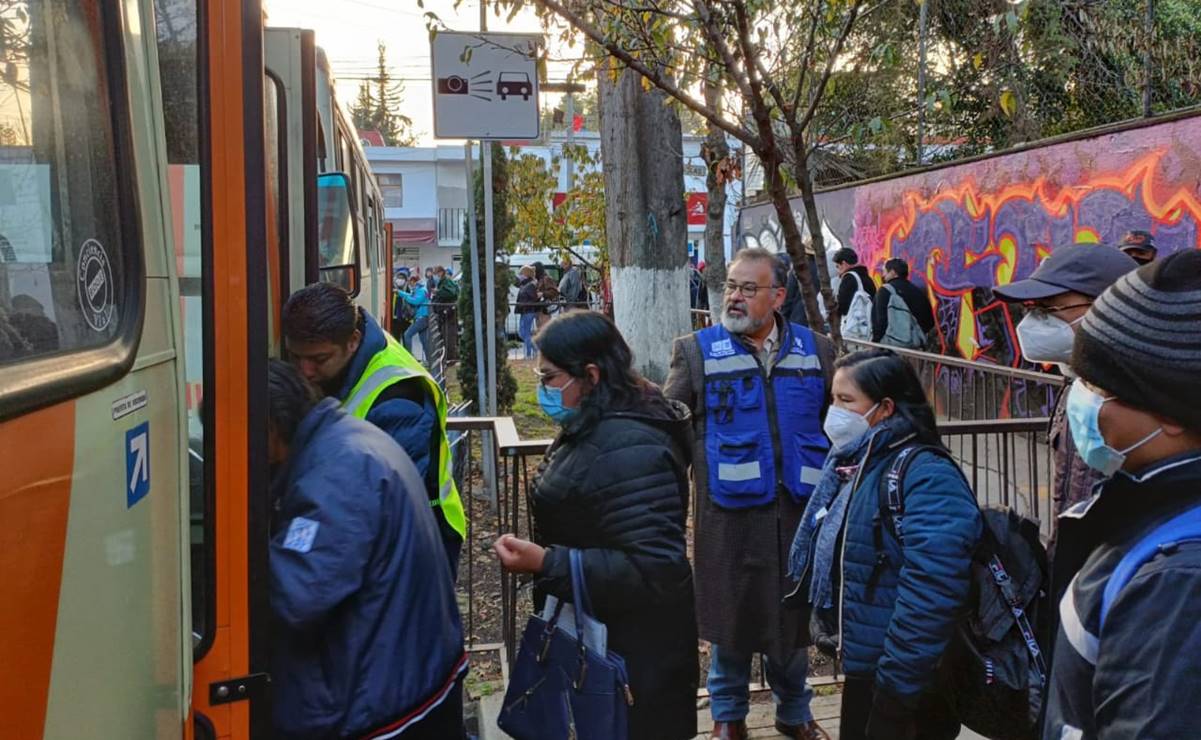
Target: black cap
(1087,269)
(1138,239)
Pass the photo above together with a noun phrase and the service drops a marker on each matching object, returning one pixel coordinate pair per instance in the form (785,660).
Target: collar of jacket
(890,436)
(372,342)
(1122,506)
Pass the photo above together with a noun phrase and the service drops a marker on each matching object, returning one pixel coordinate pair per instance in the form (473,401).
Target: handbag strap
(579,587)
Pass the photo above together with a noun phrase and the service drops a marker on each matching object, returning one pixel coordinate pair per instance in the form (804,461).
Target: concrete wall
(969,227)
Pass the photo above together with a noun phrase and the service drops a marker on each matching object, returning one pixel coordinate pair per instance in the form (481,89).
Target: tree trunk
(813,221)
(645,218)
(716,150)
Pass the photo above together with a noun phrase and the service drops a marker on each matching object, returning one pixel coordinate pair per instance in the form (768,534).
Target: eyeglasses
(747,289)
(545,377)
(1044,311)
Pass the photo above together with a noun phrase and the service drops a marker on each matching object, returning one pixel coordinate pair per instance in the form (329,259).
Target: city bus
(149,234)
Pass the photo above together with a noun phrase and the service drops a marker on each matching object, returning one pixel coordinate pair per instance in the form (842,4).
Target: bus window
(336,235)
(176,24)
(69,272)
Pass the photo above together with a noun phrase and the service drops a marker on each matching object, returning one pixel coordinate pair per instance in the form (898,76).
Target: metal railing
(961,389)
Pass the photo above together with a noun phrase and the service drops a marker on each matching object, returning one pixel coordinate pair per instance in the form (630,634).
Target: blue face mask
(1084,410)
(551,401)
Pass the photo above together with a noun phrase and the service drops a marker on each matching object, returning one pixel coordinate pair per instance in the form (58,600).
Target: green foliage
(537,225)
(506,385)
(378,105)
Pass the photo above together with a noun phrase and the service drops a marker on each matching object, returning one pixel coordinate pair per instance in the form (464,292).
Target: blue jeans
(418,327)
(730,678)
(526,330)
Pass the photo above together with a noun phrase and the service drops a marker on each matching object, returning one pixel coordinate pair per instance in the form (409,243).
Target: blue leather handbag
(565,683)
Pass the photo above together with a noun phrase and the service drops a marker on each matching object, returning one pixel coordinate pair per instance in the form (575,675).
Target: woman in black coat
(615,485)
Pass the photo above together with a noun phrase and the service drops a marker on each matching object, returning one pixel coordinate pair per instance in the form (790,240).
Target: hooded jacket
(367,631)
(615,485)
(1141,675)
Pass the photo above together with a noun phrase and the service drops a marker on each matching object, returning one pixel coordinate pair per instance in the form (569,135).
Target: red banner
(698,207)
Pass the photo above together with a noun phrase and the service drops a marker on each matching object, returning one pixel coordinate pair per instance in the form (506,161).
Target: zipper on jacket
(842,557)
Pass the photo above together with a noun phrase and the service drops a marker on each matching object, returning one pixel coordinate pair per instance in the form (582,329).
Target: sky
(349,30)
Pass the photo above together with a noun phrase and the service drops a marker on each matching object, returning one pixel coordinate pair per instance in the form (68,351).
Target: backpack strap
(1185,527)
(891,496)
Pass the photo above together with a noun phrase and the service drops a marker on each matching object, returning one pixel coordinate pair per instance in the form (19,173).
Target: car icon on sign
(514,83)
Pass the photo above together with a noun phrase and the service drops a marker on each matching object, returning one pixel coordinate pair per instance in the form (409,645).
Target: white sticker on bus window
(94,282)
(25,218)
(301,533)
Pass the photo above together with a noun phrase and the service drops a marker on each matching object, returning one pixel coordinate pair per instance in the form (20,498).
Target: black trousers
(933,720)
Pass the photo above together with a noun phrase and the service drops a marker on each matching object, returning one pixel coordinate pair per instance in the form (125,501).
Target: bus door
(218,114)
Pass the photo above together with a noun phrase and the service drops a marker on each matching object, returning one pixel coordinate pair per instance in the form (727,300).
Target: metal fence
(962,390)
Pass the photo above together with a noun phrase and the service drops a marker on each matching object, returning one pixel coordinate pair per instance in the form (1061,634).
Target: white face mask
(845,428)
(1045,338)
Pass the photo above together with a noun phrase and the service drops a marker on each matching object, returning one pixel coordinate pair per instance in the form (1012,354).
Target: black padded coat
(616,487)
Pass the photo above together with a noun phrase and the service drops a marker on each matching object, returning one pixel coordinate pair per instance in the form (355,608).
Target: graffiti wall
(967,228)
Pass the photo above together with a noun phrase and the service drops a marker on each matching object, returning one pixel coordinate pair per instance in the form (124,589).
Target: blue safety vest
(762,435)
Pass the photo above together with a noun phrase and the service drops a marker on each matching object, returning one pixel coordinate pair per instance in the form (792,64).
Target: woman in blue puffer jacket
(887,606)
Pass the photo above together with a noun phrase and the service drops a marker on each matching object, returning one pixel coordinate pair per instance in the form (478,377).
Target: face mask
(845,428)
(551,401)
(1084,409)
(1045,338)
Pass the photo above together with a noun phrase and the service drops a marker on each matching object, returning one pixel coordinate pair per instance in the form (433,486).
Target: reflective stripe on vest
(392,365)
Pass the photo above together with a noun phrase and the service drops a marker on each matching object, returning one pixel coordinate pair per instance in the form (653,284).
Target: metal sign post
(480,373)
(485,87)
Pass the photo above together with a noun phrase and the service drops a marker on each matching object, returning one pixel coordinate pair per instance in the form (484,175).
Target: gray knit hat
(1142,339)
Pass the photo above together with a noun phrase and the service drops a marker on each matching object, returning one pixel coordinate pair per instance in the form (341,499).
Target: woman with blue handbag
(612,495)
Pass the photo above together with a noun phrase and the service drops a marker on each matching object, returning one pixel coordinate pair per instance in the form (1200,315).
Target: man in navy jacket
(367,640)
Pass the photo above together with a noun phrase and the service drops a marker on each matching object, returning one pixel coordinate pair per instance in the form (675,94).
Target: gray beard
(740,324)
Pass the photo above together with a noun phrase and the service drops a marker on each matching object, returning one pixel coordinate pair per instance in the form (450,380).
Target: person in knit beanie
(1127,569)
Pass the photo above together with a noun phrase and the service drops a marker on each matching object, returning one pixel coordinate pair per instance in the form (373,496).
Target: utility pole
(1148,62)
(489,252)
(570,88)
(921,81)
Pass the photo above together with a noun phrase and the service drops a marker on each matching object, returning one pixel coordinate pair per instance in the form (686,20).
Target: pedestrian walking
(1057,295)
(901,315)
(548,293)
(758,387)
(417,297)
(527,308)
(571,286)
(366,639)
(1140,246)
(889,605)
(614,485)
(856,293)
(342,349)
(1127,570)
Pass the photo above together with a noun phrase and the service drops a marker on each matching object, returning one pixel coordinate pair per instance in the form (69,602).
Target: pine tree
(378,104)
(506,384)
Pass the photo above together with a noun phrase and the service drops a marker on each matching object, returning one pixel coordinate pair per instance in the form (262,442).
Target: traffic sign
(485,85)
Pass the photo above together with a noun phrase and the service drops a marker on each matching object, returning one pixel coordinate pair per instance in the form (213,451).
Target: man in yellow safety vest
(344,351)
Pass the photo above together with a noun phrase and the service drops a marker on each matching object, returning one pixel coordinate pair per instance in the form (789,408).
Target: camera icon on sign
(453,85)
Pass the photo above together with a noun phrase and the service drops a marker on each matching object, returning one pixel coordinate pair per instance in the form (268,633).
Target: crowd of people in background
(826,510)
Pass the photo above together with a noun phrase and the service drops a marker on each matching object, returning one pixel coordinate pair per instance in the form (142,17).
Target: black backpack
(994,672)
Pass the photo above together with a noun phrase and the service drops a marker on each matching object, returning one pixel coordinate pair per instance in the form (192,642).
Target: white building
(425,195)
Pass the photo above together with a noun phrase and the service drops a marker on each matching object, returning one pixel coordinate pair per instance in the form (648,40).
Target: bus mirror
(337,239)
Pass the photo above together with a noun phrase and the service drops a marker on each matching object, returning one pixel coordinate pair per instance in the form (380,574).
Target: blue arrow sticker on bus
(137,463)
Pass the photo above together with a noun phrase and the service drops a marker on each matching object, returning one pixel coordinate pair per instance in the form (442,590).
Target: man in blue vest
(758,387)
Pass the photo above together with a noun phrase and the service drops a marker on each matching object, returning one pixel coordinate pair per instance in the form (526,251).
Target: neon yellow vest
(389,366)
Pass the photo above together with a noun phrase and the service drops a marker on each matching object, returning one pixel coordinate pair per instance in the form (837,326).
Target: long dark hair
(576,339)
(882,373)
